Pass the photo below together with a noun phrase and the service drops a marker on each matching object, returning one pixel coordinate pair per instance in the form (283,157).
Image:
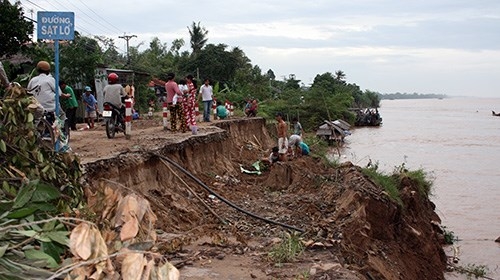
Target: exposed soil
(352,230)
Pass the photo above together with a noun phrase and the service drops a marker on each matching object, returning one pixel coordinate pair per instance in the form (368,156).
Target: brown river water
(457,142)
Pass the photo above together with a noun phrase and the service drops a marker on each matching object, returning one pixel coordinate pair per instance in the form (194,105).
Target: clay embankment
(354,231)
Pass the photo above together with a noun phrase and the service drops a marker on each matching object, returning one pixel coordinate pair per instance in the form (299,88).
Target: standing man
(207,94)
(90,106)
(69,104)
(172,90)
(297,127)
(282,136)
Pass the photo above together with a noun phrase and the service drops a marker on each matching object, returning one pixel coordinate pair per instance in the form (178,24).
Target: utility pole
(127,38)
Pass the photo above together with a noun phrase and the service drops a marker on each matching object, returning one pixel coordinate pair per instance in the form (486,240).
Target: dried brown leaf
(165,272)
(99,249)
(147,271)
(111,197)
(127,208)
(79,242)
(92,199)
(133,266)
(129,229)
(79,273)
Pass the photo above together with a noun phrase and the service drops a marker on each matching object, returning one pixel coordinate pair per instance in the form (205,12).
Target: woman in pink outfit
(189,103)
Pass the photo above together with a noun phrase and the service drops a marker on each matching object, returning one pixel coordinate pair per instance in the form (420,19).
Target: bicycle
(45,131)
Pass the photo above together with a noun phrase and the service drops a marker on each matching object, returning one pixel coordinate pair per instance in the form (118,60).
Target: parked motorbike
(114,118)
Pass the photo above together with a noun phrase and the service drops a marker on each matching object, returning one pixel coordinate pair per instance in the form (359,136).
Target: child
(90,106)
(273,157)
(221,111)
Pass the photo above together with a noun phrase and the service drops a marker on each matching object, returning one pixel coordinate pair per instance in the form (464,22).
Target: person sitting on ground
(273,157)
(251,111)
(221,111)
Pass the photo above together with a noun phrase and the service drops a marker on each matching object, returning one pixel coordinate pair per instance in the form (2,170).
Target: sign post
(56,26)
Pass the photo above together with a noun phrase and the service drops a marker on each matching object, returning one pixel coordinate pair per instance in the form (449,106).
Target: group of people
(43,89)
(181,99)
(288,147)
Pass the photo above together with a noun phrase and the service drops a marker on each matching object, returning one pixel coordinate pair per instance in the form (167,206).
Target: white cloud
(384,45)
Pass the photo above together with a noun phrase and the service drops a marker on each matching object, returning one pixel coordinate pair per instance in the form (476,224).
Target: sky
(447,47)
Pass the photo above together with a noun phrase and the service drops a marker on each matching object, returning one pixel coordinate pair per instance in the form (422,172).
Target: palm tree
(339,75)
(198,37)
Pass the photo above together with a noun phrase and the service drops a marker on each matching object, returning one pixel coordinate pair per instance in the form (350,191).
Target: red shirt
(172,88)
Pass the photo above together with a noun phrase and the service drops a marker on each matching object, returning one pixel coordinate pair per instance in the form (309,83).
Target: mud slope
(352,229)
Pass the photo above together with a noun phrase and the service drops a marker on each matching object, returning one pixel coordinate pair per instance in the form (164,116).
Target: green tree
(153,60)
(15,30)
(340,76)
(110,57)
(177,44)
(79,60)
(198,36)
(270,74)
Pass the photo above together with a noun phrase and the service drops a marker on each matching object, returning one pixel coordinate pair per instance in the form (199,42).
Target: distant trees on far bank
(415,95)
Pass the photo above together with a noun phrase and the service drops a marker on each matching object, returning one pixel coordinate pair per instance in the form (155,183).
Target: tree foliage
(15,30)
(79,59)
(231,72)
(198,36)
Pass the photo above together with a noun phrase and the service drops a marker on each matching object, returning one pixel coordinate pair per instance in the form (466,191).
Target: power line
(35,5)
(79,27)
(101,17)
(91,18)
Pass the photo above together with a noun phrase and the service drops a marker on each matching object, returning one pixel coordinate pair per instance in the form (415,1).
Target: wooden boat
(368,117)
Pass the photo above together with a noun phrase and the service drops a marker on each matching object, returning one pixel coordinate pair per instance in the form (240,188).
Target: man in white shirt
(206,93)
(44,87)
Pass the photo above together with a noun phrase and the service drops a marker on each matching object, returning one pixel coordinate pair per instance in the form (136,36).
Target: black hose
(225,200)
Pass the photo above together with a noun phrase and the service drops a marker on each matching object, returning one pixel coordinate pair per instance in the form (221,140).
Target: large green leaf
(27,233)
(40,255)
(3,249)
(22,270)
(24,195)
(60,237)
(3,147)
(45,193)
(54,250)
(23,212)
(32,208)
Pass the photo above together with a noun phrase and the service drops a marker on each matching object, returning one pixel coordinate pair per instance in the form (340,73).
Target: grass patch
(388,182)
(393,182)
(473,271)
(287,250)
(421,178)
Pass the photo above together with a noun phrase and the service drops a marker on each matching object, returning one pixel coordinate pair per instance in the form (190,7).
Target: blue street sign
(56,25)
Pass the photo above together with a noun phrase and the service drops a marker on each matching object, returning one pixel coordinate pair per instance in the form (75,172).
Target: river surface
(457,142)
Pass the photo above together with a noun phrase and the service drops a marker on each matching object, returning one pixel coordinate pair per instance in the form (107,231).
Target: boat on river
(368,117)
